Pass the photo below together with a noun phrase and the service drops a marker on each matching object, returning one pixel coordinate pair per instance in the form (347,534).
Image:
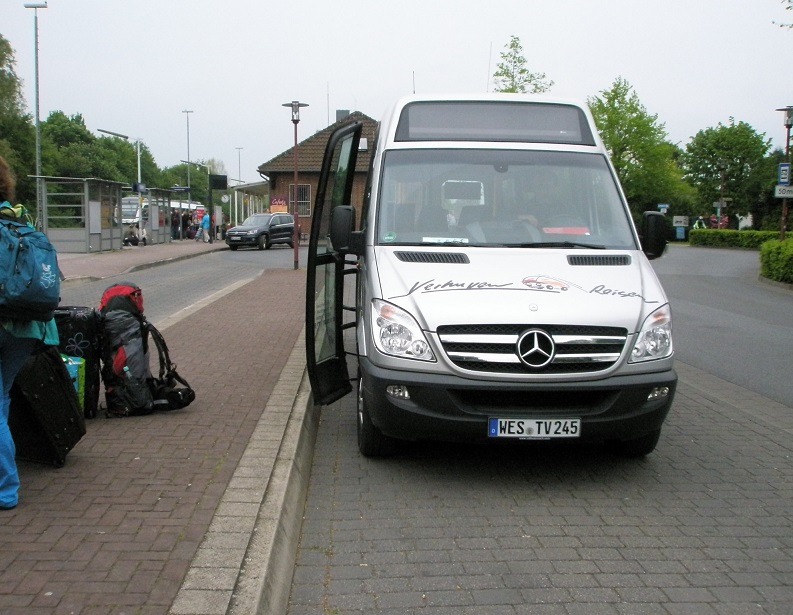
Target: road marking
(191,309)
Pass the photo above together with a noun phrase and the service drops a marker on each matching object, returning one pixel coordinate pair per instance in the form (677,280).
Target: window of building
(303,199)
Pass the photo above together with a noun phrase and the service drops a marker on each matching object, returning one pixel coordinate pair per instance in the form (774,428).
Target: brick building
(281,169)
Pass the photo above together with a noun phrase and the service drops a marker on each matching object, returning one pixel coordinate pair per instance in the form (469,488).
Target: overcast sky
(133,66)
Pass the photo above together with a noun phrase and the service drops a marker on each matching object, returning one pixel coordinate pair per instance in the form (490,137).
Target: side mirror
(653,234)
(342,236)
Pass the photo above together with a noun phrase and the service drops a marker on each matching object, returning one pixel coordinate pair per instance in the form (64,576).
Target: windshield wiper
(559,244)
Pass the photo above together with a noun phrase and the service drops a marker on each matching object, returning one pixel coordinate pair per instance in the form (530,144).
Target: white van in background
(502,290)
(133,209)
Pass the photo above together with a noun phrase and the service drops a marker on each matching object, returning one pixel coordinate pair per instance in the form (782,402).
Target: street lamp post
(788,125)
(239,177)
(208,209)
(36,6)
(126,138)
(189,194)
(295,106)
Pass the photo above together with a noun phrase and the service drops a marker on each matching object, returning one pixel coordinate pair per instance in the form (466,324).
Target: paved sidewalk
(183,512)
(97,265)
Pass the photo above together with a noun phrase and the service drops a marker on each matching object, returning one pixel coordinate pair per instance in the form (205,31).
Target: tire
(638,447)
(263,242)
(232,248)
(371,441)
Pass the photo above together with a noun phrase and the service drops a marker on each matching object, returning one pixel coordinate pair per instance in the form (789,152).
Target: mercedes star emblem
(535,348)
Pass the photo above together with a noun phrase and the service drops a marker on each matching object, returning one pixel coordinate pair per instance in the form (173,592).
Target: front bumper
(241,240)
(446,407)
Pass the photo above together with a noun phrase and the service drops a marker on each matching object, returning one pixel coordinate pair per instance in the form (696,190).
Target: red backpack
(125,352)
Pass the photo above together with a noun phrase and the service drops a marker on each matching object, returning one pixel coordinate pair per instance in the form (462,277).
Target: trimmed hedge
(776,260)
(776,257)
(730,239)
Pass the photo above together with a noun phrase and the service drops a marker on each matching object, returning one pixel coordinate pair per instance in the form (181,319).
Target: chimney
(341,114)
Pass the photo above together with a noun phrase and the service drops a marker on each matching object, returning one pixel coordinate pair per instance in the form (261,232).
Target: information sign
(783,192)
(784,174)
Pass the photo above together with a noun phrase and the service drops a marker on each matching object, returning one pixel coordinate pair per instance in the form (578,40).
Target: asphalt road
(727,321)
(174,287)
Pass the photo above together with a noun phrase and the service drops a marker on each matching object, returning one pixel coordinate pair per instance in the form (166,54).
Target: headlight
(253,232)
(397,333)
(655,337)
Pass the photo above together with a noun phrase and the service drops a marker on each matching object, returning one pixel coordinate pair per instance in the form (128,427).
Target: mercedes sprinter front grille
(519,348)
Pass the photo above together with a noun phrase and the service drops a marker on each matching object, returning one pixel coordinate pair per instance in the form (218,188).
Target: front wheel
(232,248)
(371,441)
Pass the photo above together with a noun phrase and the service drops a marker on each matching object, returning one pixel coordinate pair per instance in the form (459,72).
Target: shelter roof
(261,188)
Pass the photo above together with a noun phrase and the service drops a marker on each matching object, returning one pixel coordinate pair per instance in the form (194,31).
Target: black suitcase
(79,329)
(45,417)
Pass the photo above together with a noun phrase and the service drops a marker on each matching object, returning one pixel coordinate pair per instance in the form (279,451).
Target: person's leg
(13,353)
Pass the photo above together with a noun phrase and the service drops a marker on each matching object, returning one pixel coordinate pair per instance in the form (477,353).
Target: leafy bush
(776,260)
(730,239)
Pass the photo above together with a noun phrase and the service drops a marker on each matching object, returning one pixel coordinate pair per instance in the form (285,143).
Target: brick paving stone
(697,527)
(115,529)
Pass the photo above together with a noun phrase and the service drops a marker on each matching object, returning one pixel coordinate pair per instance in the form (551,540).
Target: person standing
(206,225)
(18,339)
(176,223)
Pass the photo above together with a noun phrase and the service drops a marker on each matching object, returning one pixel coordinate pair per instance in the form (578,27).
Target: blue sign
(784,174)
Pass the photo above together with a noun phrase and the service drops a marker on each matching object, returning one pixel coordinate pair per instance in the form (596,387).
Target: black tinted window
(494,121)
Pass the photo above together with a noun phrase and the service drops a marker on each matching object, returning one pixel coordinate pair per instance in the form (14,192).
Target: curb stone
(245,562)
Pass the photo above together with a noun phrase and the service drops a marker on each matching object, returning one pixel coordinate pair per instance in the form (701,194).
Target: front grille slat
(493,348)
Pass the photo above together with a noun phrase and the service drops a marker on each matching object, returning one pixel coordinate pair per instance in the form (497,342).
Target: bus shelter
(81,215)
(249,199)
(151,212)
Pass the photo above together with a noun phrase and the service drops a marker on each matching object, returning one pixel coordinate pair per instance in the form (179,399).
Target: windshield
(259,220)
(500,198)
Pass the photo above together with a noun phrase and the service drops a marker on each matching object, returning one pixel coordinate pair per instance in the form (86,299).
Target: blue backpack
(30,284)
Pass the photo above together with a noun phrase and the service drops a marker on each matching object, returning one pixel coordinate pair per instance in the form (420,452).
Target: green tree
(512,75)
(728,161)
(767,210)
(17,133)
(642,156)
(788,7)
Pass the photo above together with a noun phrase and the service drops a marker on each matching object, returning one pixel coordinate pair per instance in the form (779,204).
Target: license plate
(534,429)
(235,238)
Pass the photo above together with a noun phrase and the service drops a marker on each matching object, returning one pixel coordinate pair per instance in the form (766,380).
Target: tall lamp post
(788,125)
(239,163)
(295,106)
(189,194)
(126,138)
(36,6)
(208,208)
(137,151)
(239,178)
